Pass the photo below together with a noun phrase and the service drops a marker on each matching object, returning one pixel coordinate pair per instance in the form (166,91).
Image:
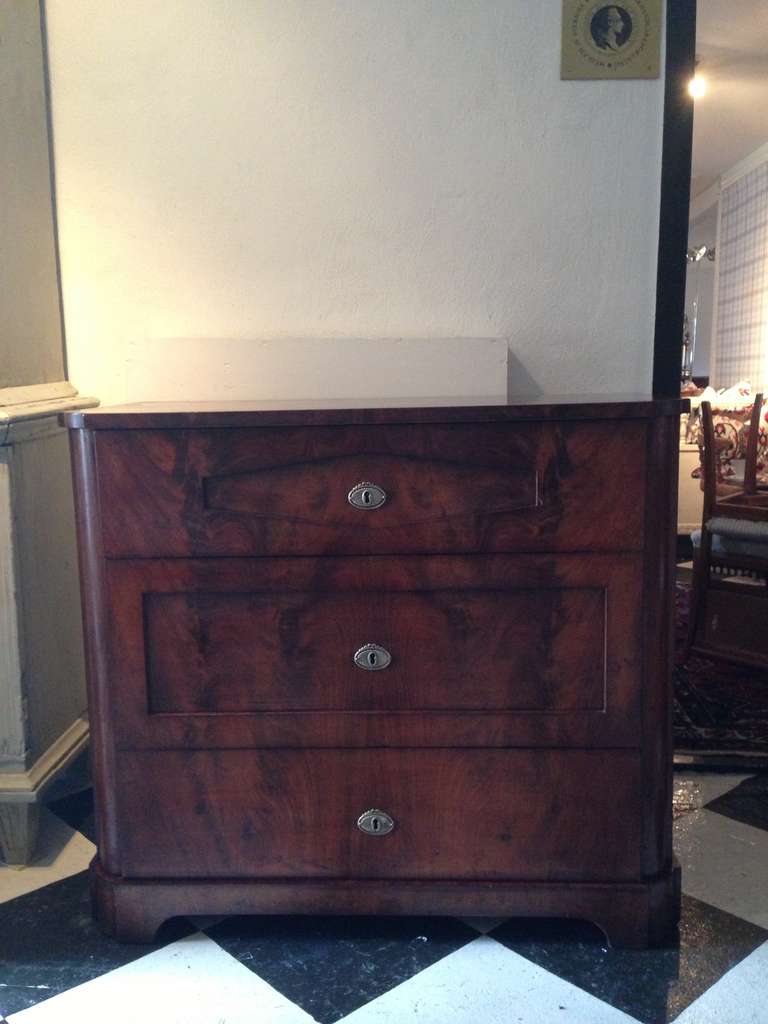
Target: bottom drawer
(522,814)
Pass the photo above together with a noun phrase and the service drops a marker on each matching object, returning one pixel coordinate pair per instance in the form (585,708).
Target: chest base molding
(633,915)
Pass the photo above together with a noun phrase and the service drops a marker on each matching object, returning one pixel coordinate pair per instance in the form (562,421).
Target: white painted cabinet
(43,723)
(42,694)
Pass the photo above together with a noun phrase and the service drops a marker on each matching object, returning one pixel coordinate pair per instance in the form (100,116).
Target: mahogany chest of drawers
(381,660)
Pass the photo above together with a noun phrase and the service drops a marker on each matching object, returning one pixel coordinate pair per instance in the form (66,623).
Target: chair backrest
(750,465)
(708,459)
(710,455)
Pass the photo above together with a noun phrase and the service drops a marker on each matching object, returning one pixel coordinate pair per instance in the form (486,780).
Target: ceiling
(732,119)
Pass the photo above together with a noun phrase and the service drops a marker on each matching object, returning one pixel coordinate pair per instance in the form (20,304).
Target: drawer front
(328,652)
(428,487)
(544,815)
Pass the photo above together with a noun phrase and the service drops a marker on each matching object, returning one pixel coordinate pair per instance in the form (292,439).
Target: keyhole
(373,659)
(375,823)
(366,497)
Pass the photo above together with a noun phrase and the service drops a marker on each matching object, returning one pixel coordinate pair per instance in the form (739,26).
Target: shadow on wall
(519,380)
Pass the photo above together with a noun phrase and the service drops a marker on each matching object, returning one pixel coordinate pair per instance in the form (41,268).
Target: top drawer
(433,488)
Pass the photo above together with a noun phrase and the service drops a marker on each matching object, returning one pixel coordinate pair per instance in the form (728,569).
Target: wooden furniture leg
(19,824)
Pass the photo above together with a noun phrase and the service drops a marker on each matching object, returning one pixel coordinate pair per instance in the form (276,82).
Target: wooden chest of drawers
(457,619)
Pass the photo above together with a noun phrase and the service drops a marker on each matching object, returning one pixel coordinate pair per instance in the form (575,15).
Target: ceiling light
(697,87)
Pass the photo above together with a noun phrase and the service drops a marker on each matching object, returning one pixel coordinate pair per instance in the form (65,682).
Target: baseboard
(27,786)
(686,529)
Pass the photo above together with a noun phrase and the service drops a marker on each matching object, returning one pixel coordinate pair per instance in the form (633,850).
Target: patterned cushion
(731,413)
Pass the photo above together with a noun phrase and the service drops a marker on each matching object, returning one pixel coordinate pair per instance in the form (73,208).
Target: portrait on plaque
(611,40)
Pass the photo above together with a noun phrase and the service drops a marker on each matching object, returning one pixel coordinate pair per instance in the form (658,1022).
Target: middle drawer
(354,651)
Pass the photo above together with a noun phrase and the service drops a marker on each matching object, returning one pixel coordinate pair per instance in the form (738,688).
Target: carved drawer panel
(263,651)
(525,649)
(372,489)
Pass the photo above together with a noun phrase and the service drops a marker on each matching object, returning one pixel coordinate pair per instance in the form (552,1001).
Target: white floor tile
(486,982)
(60,852)
(193,981)
(686,797)
(739,997)
(724,863)
(710,785)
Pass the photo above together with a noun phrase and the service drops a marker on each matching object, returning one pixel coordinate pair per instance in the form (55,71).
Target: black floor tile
(654,985)
(48,938)
(332,965)
(747,802)
(77,810)
(76,776)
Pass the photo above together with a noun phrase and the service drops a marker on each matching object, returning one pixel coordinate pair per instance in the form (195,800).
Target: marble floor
(56,968)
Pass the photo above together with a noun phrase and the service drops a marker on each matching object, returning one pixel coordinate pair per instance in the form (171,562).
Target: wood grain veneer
(450,487)
(519,574)
(458,814)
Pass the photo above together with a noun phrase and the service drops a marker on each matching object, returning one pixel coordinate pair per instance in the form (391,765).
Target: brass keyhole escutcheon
(372,657)
(375,822)
(366,495)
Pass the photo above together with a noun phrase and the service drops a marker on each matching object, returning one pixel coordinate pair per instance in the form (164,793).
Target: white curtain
(740,350)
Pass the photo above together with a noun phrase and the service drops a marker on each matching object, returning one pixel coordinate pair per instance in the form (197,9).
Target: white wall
(267,169)
(31,349)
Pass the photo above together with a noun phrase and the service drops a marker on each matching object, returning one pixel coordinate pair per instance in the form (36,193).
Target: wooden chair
(729,602)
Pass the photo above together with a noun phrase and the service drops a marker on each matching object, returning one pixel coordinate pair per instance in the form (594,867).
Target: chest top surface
(330,412)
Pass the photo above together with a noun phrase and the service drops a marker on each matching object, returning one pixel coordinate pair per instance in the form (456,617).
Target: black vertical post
(675,197)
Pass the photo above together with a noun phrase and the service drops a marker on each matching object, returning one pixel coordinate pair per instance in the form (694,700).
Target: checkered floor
(56,967)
